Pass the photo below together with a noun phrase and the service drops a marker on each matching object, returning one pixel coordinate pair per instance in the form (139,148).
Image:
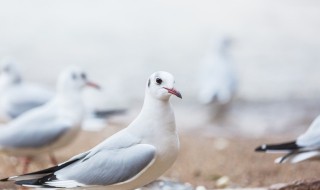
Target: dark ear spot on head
(149,83)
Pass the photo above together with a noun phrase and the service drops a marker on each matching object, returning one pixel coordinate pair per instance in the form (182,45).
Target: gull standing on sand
(51,126)
(306,146)
(131,158)
(16,95)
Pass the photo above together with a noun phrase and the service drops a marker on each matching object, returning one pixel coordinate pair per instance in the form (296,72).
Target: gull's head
(160,85)
(74,79)
(9,72)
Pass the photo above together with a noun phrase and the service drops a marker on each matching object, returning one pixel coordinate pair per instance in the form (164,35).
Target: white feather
(65,183)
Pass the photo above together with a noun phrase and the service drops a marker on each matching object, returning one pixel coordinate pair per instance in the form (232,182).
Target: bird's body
(166,148)
(131,158)
(18,96)
(22,97)
(40,130)
(305,147)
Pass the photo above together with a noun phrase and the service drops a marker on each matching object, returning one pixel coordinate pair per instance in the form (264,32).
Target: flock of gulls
(131,158)
(40,121)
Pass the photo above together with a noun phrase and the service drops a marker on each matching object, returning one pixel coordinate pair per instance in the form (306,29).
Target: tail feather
(284,158)
(43,178)
(39,178)
(40,174)
(296,157)
(40,182)
(283,147)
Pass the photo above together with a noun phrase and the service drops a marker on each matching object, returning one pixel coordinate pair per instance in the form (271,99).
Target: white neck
(155,116)
(152,104)
(69,105)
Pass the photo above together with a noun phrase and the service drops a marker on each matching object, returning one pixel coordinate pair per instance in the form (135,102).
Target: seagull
(129,159)
(305,147)
(217,79)
(51,126)
(16,95)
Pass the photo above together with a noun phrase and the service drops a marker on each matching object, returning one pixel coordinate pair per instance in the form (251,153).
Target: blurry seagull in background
(51,126)
(306,146)
(217,77)
(217,80)
(131,158)
(16,95)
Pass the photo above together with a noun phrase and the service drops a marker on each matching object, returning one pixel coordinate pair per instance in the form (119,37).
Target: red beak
(174,92)
(92,84)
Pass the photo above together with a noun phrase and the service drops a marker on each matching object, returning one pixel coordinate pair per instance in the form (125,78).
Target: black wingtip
(38,182)
(261,148)
(289,146)
(281,161)
(4,180)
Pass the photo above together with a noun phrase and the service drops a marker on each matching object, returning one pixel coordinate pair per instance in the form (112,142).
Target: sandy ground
(201,162)
(209,152)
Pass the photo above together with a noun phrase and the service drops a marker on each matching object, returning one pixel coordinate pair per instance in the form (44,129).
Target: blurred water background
(276,49)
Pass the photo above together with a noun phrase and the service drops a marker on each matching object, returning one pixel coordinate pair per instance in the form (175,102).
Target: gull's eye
(159,81)
(83,76)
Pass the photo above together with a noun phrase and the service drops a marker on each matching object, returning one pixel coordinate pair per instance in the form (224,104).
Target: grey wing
(108,167)
(19,108)
(33,135)
(24,98)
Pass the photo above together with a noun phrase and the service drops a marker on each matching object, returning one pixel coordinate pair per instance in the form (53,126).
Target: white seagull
(16,95)
(217,79)
(306,146)
(51,126)
(129,159)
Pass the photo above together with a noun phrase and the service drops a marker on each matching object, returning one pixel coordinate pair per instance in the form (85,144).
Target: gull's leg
(53,159)
(26,162)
